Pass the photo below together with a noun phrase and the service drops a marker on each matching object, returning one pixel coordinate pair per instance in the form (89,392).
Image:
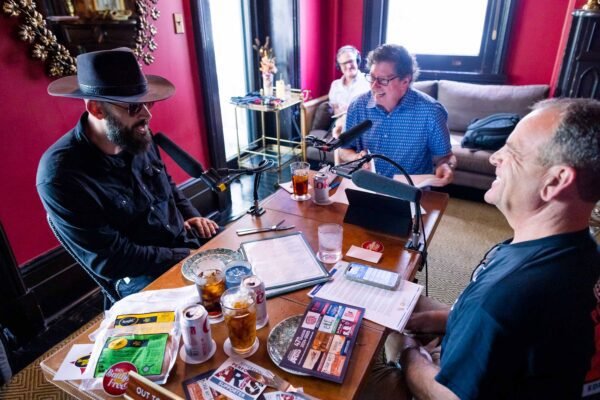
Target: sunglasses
(134,109)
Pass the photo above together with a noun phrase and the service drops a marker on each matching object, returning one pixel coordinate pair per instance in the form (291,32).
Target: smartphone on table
(372,276)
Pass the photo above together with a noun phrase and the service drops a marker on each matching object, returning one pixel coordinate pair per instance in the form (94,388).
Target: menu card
(285,263)
(323,343)
(197,388)
(232,380)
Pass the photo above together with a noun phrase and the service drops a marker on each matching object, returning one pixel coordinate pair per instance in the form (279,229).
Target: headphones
(345,49)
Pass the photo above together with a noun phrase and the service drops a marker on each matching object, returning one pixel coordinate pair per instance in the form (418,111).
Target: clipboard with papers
(390,308)
(285,263)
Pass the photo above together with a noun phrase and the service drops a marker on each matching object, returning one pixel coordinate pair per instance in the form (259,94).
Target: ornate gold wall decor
(145,43)
(44,45)
(59,61)
(592,5)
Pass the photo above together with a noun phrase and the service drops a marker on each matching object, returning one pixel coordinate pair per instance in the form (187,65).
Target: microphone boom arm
(365,159)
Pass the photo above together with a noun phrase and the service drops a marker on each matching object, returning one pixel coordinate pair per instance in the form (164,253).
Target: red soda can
(256,284)
(195,329)
(321,188)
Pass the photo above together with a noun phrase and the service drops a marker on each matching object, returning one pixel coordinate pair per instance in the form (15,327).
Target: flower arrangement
(265,53)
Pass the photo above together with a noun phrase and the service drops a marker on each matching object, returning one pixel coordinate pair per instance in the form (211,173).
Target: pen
(334,185)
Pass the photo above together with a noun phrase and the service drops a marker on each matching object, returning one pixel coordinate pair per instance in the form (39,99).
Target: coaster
(327,260)
(197,360)
(300,198)
(229,350)
(325,203)
(373,245)
(265,322)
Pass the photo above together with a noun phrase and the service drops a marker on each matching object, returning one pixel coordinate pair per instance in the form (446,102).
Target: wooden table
(306,216)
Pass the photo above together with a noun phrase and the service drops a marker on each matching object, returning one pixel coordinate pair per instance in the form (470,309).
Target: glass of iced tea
(211,285)
(299,171)
(239,310)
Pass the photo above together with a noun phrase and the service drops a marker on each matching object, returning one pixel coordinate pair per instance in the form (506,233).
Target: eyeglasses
(134,109)
(382,81)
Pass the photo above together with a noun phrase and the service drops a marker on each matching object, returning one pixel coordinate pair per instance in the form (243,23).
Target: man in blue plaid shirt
(409,127)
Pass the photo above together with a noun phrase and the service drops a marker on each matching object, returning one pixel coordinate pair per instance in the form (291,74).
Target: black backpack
(491,132)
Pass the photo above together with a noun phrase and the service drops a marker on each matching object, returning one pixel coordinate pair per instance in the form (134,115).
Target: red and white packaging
(116,378)
(257,285)
(198,345)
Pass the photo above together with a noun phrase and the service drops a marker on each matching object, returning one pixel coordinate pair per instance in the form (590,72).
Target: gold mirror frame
(59,61)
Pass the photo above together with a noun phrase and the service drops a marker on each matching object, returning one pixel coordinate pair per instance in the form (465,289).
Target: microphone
(382,184)
(215,181)
(347,137)
(192,167)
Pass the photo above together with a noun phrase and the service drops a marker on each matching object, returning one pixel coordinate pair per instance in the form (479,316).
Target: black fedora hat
(111,75)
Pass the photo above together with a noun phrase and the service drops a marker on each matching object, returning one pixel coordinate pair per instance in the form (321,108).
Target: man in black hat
(104,185)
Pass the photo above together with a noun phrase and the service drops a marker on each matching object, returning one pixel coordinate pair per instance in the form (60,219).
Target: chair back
(110,292)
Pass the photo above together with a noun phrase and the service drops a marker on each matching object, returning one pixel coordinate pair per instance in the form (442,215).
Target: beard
(126,137)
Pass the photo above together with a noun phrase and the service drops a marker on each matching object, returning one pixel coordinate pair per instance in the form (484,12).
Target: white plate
(213,258)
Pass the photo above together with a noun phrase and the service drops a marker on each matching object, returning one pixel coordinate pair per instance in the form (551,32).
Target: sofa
(464,102)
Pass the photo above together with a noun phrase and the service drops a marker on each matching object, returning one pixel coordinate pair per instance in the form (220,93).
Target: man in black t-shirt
(523,328)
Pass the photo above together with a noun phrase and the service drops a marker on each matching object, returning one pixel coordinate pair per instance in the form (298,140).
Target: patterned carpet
(465,233)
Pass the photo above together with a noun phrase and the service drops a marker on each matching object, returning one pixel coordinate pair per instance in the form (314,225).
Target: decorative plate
(213,258)
(280,338)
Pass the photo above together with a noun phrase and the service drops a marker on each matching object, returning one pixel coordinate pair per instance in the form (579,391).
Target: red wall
(535,38)
(325,26)
(315,34)
(31,121)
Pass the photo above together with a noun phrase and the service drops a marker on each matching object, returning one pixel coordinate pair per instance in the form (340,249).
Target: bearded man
(103,184)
